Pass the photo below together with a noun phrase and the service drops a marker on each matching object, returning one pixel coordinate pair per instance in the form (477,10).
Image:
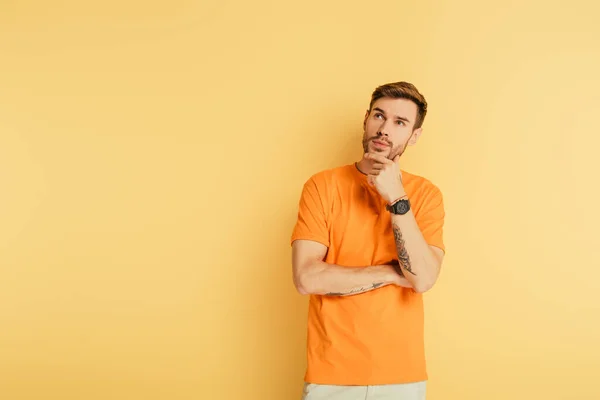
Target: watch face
(402,206)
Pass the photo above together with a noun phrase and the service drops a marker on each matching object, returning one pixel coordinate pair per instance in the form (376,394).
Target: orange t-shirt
(374,337)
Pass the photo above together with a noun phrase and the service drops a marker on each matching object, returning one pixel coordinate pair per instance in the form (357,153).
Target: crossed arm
(314,276)
(420,262)
(419,265)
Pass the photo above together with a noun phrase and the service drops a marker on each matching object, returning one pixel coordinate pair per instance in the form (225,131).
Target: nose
(383,129)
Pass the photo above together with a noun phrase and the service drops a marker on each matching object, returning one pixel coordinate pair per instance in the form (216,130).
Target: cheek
(371,127)
(400,136)
(397,141)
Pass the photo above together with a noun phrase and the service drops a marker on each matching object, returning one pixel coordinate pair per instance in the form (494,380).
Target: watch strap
(400,206)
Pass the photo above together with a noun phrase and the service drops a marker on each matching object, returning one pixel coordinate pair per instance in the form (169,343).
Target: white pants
(406,391)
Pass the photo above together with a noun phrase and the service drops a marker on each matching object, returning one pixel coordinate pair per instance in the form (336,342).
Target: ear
(415,136)
(366,117)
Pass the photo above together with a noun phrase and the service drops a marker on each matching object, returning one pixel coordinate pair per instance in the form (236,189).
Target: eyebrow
(396,116)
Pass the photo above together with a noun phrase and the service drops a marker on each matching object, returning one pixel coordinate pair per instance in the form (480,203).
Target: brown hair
(402,90)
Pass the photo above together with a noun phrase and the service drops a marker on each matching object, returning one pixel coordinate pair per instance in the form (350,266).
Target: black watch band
(400,207)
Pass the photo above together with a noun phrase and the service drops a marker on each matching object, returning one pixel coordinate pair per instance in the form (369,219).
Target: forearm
(334,280)
(417,261)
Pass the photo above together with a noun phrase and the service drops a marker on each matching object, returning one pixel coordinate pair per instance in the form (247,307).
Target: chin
(384,152)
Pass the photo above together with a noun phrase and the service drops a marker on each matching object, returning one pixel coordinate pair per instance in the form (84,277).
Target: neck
(364,166)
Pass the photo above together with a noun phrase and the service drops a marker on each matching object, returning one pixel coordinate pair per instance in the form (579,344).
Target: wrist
(390,275)
(397,195)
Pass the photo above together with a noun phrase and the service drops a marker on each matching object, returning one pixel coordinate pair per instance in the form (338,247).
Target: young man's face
(389,127)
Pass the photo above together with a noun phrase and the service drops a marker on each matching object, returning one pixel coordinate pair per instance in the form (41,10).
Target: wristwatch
(399,207)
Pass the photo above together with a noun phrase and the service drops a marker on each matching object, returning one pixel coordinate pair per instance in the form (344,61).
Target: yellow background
(152,155)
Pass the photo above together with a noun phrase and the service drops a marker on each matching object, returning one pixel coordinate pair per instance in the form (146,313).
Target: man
(367,243)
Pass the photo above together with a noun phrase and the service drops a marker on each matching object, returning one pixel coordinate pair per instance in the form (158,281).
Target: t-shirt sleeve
(312,216)
(431,219)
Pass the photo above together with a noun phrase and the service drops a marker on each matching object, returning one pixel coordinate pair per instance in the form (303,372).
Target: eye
(400,122)
(378,115)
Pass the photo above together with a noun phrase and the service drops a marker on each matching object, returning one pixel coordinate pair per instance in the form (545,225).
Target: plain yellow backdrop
(152,155)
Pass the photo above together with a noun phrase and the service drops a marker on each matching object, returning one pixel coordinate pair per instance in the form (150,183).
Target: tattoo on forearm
(398,269)
(356,291)
(403,257)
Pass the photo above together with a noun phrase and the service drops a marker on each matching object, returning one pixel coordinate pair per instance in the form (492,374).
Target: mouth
(379,143)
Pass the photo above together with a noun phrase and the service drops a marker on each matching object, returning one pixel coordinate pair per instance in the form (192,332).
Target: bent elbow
(423,287)
(300,285)
(301,290)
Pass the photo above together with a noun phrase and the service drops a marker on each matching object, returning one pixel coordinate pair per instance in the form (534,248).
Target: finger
(376,165)
(397,158)
(378,158)
(374,157)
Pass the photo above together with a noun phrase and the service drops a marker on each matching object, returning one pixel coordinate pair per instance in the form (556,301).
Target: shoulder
(421,187)
(329,177)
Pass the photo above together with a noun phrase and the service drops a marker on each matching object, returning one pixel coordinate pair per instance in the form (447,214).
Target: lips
(380,143)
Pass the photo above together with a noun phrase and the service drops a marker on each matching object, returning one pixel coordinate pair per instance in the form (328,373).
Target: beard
(393,151)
